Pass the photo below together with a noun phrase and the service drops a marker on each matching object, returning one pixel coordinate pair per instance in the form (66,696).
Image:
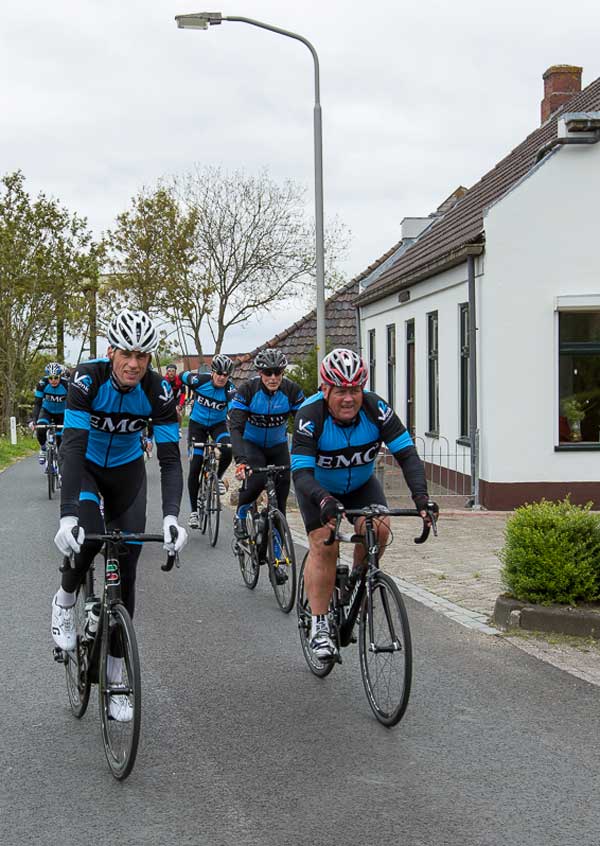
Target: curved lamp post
(202,20)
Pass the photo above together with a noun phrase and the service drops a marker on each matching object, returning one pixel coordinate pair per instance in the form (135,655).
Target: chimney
(561,83)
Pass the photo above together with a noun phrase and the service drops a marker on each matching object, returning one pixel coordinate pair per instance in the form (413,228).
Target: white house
(520,250)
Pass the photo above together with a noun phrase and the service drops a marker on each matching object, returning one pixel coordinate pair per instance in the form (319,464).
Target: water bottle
(342,581)
(92,616)
(260,528)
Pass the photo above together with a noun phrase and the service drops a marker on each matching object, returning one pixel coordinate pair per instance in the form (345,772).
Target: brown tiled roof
(463,224)
(298,339)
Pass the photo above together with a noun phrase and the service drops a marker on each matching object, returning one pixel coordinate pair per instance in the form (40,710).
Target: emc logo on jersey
(356,459)
(125,426)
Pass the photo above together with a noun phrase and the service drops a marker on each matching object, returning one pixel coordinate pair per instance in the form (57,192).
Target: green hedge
(25,445)
(552,553)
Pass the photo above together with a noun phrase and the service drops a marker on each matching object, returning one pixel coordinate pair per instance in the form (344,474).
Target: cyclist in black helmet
(258,425)
(212,394)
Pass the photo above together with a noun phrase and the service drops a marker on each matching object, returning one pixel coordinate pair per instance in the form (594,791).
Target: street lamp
(202,20)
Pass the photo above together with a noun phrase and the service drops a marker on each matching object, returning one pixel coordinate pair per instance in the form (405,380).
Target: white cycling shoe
(120,709)
(63,626)
(322,644)
(193,522)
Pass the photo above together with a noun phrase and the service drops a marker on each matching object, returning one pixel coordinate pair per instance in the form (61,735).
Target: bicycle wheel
(203,504)
(77,662)
(316,666)
(247,556)
(385,650)
(282,561)
(120,737)
(213,508)
(49,468)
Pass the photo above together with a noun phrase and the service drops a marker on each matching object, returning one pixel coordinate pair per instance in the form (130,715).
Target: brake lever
(432,514)
(333,532)
(172,557)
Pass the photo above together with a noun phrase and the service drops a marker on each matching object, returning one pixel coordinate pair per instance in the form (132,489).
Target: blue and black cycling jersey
(329,457)
(51,398)
(260,416)
(102,425)
(210,403)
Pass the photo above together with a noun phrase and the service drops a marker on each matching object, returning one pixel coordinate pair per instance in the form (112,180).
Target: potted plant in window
(573,411)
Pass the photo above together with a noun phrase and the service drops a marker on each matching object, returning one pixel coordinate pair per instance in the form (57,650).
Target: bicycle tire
(285,591)
(213,503)
(316,666)
(120,738)
(49,473)
(249,566)
(203,504)
(76,663)
(386,674)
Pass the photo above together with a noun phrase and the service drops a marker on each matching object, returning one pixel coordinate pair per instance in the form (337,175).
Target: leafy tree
(45,254)
(150,251)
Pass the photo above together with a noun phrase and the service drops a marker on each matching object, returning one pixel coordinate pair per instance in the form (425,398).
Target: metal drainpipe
(473,430)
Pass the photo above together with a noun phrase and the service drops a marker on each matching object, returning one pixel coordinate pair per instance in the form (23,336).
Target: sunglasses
(272,371)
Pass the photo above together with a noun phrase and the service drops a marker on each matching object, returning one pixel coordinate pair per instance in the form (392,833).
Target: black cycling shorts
(371,493)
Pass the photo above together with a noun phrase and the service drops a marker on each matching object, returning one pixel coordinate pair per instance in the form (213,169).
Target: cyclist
(212,394)
(177,385)
(258,425)
(108,404)
(337,435)
(50,400)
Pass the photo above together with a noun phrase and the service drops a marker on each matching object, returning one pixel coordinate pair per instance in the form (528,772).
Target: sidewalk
(458,574)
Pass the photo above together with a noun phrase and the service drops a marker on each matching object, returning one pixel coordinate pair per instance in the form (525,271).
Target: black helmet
(171,367)
(270,359)
(222,365)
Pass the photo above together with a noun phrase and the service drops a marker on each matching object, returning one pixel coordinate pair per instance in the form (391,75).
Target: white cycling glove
(64,537)
(182,535)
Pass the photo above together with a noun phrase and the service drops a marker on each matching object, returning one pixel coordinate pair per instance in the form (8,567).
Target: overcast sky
(101,97)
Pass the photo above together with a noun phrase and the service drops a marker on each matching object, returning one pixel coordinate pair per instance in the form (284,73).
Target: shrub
(552,553)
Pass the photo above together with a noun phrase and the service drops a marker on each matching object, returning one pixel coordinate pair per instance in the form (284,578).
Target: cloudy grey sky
(100,97)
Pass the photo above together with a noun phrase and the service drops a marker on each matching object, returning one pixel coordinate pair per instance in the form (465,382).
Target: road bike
(105,631)
(269,541)
(369,598)
(209,499)
(52,469)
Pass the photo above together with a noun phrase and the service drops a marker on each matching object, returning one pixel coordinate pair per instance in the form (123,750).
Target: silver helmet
(132,330)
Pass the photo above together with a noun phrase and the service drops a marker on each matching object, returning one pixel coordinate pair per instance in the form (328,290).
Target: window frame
(433,374)
(390,334)
(372,348)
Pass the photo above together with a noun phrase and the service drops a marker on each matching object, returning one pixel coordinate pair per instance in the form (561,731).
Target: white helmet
(132,330)
(343,368)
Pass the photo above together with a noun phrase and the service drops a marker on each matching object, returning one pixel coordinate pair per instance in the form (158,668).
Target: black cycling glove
(328,509)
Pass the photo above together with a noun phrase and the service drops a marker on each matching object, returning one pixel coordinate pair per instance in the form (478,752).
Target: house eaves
(463,225)
(448,261)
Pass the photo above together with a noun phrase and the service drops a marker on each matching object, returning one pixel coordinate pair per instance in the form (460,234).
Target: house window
(391,363)
(410,377)
(579,377)
(464,371)
(371,359)
(433,373)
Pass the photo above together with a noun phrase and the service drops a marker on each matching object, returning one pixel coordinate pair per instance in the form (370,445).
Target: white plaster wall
(541,242)
(443,293)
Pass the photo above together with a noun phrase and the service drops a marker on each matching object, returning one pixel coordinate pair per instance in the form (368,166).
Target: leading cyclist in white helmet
(109,403)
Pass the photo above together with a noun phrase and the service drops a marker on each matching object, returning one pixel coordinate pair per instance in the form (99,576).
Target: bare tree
(254,249)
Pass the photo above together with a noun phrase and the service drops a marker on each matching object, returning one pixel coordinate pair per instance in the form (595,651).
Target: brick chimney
(561,83)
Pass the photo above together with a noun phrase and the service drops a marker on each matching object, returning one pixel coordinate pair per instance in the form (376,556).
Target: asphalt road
(242,745)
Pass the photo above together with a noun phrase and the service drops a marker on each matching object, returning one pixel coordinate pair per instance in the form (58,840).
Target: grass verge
(9,453)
